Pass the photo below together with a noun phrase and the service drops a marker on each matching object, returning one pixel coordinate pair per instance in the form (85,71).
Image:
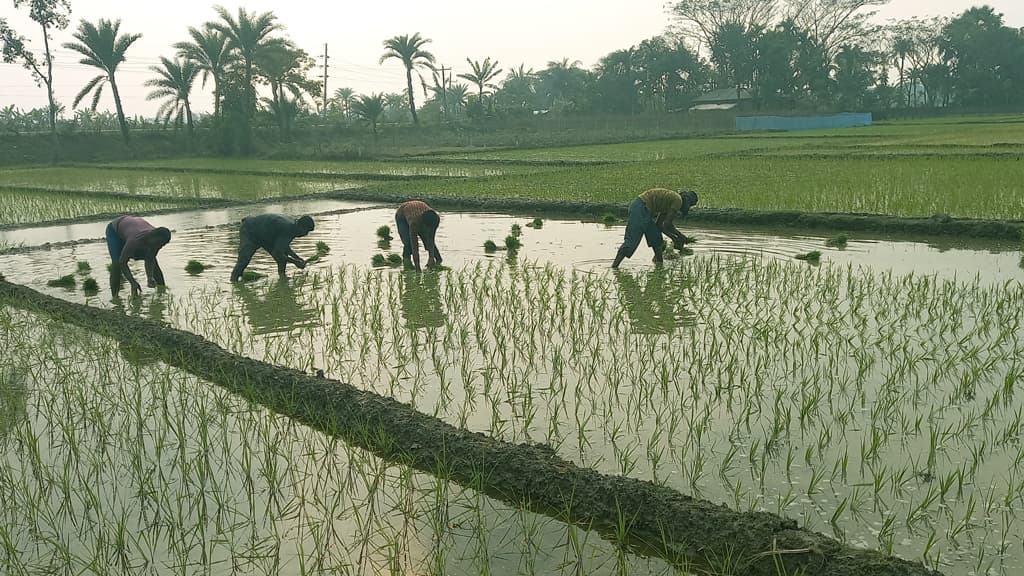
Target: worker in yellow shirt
(650,215)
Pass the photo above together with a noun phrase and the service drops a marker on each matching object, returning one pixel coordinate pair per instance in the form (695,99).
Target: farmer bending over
(274,233)
(415,220)
(132,238)
(651,214)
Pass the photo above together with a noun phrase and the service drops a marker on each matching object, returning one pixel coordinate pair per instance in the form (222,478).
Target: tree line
(806,55)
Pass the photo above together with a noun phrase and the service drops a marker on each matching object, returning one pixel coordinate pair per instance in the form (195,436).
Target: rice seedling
(83,267)
(90,286)
(517,230)
(837,241)
(789,364)
(229,481)
(813,257)
(252,276)
(535,223)
(195,267)
(384,232)
(66,281)
(490,246)
(19,206)
(512,243)
(609,219)
(322,247)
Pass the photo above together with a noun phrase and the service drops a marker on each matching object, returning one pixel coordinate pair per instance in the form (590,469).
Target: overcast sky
(530,32)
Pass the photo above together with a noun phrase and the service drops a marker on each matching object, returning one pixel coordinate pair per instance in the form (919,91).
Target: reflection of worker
(155,308)
(656,308)
(415,220)
(13,399)
(421,300)
(274,233)
(650,215)
(276,310)
(132,238)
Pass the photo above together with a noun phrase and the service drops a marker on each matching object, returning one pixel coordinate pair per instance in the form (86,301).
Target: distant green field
(960,166)
(20,207)
(169,184)
(989,188)
(323,167)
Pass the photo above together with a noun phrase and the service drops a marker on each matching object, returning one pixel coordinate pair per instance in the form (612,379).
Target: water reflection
(276,308)
(421,299)
(654,300)
(13,400)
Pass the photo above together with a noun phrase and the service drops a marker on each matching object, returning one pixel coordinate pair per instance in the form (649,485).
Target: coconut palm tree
(409,49)
(102,48)
(395,107)
(246,34)
(343,97)
(283,66)
(369,108)
(209,50)
(482,75)
(174,82)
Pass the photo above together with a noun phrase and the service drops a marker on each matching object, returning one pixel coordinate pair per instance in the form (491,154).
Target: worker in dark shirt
(274,233)
(651,215)
(416,220)
(132,238)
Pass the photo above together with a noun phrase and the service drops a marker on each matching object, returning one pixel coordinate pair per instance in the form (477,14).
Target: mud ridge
(658,520)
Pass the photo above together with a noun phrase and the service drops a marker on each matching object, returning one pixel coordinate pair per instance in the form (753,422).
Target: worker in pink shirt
(416,220)
(132,238)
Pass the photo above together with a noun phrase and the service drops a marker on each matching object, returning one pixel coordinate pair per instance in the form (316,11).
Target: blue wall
(844,120)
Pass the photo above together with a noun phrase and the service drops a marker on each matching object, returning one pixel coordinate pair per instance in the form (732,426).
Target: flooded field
(870,397)
(172,185)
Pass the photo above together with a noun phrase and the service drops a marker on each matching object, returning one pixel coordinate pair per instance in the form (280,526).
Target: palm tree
(283,65)
(482,75)
(457,96)
(209,50)
(369,108)
(245,36)
(562,80)
(409,49)
(175,84)
(518,90)
(103,48)
(901,49)
(343,97)
(395,104)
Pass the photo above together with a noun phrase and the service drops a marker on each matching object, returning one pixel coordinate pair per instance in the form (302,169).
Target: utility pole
(444,91)
(324,111)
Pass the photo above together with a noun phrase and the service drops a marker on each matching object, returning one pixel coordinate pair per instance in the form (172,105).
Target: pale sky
(530,32)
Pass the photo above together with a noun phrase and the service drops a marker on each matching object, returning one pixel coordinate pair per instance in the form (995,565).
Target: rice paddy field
(873,396)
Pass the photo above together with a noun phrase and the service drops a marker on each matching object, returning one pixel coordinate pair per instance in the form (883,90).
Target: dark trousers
(640,224)
(405,234)
(247,247)
(114,243)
